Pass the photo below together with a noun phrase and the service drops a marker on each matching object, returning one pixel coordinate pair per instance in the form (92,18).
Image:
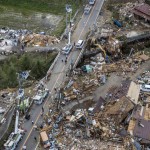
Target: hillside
(35,15)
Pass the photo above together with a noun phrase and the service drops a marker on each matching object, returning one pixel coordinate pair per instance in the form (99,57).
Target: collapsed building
(142,12)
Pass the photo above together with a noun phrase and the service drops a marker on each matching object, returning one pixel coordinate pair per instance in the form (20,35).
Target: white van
(38,99)
(80,44)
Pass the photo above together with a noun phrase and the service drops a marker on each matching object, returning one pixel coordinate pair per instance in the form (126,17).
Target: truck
(44,139)
(15,136)
(91,2)
(41,96)
(87,9)
(13,140)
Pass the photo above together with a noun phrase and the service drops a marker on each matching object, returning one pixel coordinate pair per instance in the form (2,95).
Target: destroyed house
(120,109)
(142,12)
(139,125)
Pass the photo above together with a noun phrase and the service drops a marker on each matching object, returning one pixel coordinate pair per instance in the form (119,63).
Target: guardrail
(80,55)
(51,67)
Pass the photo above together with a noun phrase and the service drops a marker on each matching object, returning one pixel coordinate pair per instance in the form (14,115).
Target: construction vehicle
(68,47)
(15,136)
(87,9)
(93,43)
(91,2)
(102,50)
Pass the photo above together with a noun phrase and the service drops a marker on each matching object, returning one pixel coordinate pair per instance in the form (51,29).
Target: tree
(38,70)
(12,76)
(25,62)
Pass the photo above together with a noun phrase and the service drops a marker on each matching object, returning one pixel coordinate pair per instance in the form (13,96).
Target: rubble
(6,101)
(23,38)
(38,40)
(119,118)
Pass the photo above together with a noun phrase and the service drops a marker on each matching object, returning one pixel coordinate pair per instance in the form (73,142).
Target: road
(59,74)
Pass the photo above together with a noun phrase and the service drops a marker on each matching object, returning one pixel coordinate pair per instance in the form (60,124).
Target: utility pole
(68,10)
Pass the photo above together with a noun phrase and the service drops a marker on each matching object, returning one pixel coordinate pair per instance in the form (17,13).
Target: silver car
(66,50)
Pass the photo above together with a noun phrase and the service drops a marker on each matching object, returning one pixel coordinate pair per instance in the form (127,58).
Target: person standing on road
(32,122)
(65,61)
(35,138)
(42,109)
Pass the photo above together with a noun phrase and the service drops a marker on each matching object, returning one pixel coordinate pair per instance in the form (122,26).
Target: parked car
(145,88)
(66,50)
(27,116)
(79,44)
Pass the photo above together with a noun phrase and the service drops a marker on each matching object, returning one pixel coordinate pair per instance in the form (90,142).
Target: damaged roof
(143,11)
(133,92)
(121,108)
(142,131)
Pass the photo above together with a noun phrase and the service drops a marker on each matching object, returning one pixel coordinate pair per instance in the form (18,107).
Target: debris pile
(121,117)
(38,40)
(22,38)
(6,101)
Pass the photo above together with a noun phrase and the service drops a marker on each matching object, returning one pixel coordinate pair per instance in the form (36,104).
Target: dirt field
(36,22)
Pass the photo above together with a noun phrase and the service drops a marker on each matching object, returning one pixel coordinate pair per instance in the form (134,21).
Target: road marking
(84,27)
(58,77)
(41,110)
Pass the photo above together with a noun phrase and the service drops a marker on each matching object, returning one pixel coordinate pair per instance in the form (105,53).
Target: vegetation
(38,64)
(34,14)
(49,6)
(60,29)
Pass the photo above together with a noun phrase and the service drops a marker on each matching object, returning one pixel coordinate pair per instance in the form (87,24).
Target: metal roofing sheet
(142,132)
(145,8)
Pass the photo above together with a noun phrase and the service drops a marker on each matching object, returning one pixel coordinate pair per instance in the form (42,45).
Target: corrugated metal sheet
(142,132)
(142,10)
(145,8)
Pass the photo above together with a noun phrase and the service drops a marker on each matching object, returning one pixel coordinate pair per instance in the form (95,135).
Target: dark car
(27,116)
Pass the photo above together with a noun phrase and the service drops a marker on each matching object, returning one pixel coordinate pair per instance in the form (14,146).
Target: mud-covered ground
(35,21)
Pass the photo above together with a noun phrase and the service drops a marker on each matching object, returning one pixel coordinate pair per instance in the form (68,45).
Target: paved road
(59,74)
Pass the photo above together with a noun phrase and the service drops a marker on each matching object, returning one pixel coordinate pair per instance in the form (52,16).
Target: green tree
(12,76)
(25,62)
(38,70)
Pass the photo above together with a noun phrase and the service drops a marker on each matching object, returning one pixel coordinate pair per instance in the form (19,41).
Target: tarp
(87,68)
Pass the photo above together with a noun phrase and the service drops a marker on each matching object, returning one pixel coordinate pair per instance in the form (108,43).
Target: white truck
(40,96)
(13,140)
(15,136)
(91,2)
(87,9)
